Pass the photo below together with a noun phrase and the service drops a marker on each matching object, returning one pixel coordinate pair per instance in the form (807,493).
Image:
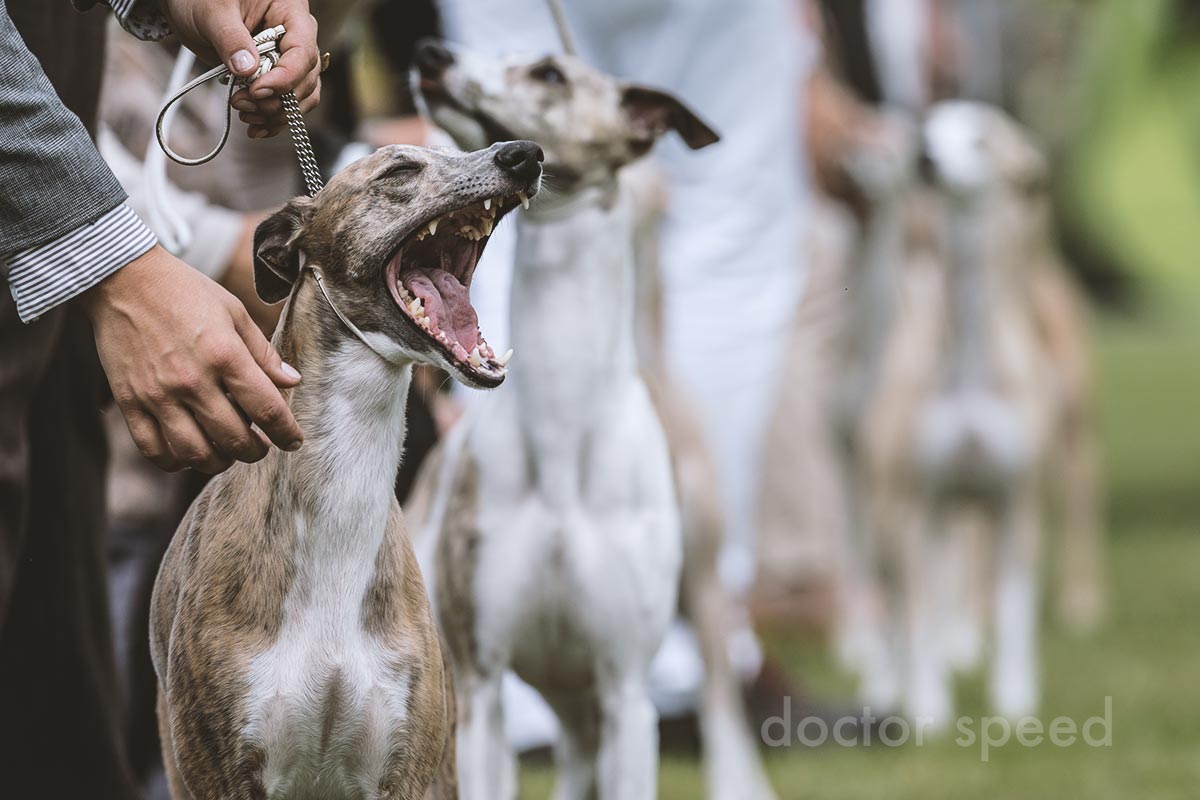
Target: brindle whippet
(295,649)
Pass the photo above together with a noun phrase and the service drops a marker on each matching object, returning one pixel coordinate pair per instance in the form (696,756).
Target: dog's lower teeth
(503,360)
(474,359)
(417,308)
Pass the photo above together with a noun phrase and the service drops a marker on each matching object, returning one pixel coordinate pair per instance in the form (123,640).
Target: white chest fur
(581,545)
(325,700)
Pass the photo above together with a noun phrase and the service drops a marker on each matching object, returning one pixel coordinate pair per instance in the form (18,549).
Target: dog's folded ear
(276,256)
(652,113)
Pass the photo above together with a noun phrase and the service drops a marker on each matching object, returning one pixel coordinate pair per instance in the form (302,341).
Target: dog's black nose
(432,57)
(520,158)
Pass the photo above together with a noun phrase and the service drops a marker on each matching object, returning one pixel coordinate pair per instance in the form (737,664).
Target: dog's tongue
(447,303)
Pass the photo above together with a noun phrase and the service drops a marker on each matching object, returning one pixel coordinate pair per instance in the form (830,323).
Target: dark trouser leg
(59,707)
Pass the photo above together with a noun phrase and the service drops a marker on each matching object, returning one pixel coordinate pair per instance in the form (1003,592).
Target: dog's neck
(350,405)
(973,296)
(878,265)
(572,325)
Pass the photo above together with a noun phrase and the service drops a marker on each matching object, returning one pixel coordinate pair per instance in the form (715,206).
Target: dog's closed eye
(401,168)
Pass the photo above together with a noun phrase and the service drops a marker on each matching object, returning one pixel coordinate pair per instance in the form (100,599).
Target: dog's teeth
(487,203)
(417,307)
(475,359)
(485,228)
(424,321)
(503,360)
(524,200)
(433,227)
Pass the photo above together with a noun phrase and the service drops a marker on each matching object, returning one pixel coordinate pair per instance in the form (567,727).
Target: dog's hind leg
(731,762)
(1080,590)
(627,765)
(487,766)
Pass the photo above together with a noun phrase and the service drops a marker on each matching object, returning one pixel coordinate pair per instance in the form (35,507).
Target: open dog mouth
(437,96)
(430,279)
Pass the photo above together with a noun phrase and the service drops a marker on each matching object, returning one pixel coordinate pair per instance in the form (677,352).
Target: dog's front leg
(628,760)
(1014,681)
(487,765)
(928,694)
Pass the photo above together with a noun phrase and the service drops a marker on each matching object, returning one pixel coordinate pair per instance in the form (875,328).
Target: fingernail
(262,92)
(293,446)
(242,61)
(244,105)
(290,371)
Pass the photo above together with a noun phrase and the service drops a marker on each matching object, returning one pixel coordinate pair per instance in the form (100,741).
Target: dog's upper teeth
(524,200)
(487,204)
(432,227)
(503,360)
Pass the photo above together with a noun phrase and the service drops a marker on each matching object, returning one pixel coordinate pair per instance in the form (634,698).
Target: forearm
(62,225)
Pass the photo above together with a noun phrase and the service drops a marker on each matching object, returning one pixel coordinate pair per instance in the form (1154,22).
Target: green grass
(1146,658)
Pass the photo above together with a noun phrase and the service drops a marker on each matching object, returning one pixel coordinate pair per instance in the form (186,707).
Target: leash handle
(267,43)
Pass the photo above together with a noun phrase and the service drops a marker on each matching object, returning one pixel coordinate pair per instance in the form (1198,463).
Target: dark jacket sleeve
(52,179)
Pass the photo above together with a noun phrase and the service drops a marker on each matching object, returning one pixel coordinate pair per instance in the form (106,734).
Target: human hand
(188,366)
(222,31)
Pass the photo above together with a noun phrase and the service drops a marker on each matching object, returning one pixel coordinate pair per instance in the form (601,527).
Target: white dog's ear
(276,257)
(652,113)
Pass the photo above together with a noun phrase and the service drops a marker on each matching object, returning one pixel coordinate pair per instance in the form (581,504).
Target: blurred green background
(1132,186)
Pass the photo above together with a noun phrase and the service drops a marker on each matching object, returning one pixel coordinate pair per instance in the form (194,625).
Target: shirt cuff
(49,275)
(142,18)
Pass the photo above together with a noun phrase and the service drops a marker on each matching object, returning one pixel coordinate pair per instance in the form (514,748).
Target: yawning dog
(559,546)
(295,649)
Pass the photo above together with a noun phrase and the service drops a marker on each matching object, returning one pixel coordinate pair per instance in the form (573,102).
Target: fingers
(223,27)
(188,442)
(230,434)
(149,439)
(299,61)
(252,380)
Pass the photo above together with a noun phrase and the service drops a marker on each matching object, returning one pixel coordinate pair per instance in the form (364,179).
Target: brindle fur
(220,596)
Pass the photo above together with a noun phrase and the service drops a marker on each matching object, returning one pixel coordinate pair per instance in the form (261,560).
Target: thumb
(227,34)
(281,373)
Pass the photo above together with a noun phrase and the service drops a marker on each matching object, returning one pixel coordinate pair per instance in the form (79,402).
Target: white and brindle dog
(296,652)
(555,508)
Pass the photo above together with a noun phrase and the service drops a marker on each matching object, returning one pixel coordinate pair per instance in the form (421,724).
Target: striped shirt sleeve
(142,18)
(46,276)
